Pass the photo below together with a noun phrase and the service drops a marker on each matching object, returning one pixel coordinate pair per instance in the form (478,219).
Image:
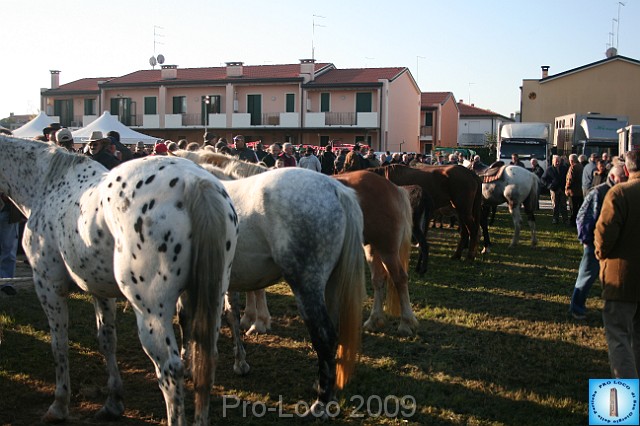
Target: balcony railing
(340,118)
(271,119)
(426,130)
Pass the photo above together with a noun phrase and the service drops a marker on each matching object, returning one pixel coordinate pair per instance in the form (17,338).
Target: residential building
(439,115)
(610,86)
(306,103)
(15,121)
(478,126)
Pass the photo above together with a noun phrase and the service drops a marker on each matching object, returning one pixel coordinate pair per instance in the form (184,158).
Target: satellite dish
(611,52)
(161,59)
(152,61)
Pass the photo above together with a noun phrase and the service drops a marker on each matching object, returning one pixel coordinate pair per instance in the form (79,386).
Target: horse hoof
(486,250)
(405,330)
(50,417)
(107,415)
(241,369)
(318,411)
(256,329)
(372,325)
(245,323)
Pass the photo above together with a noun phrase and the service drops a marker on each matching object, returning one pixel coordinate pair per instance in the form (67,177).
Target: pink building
(306,103)
(439,115)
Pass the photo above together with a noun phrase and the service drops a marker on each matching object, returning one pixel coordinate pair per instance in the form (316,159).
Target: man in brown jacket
(573,188)
(617,238)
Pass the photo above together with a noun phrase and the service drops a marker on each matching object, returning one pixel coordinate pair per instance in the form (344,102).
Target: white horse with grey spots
(150,230)
(308,228)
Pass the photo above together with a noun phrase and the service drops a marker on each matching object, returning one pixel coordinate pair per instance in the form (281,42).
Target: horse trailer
(588,133)
(629,139)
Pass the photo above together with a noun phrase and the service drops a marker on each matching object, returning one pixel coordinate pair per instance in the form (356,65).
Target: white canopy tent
(34,127)
(106,123)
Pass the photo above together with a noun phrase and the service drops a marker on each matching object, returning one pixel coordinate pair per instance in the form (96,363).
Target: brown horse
(446,185)
(387,238)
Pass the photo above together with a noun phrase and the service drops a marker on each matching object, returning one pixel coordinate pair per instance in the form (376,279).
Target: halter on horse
(150,230)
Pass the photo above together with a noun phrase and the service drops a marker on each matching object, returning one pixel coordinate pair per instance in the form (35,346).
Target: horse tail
(207,280)
(346,289)
(406,224)
(477,202)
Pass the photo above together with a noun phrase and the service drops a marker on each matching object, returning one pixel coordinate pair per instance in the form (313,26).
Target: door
(254,107)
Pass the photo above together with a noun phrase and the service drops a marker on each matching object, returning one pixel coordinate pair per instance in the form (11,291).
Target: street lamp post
(207,100)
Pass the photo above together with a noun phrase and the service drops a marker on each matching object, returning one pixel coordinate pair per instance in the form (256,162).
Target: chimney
(55,79)
(234,69)
(545,71)
(169,72)
(307,69)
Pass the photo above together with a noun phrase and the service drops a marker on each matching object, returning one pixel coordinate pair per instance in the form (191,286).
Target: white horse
(149,230)
(516,186)
(305,227)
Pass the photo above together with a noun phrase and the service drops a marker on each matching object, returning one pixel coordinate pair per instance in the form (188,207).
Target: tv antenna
(155,60)
(313,33)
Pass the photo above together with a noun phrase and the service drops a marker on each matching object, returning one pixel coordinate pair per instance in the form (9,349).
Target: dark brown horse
(388,226)
(446,185)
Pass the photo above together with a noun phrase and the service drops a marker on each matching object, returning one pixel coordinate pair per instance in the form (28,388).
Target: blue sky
(479,50)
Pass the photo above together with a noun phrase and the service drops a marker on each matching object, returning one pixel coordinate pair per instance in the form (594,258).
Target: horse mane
(61,161)
(222,166)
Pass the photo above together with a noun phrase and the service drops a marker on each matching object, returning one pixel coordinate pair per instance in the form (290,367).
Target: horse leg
(155,330)
(55,306)
(408,321)
(484,219)
(249,316)
(232,311)
(105,318)
(378,275)
(515,214)
(324,338)
(262,321)
(529,211)
(493,210)
(423,257)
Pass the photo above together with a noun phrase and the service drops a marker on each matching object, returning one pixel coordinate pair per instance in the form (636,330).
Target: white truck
(629,139)
(528,140)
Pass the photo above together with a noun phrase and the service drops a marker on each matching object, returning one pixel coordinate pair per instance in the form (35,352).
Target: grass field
(495,346)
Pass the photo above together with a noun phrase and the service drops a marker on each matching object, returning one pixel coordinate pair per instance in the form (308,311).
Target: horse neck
(22,167)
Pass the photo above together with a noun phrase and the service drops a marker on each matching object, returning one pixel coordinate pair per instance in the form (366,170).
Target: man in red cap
(160,149)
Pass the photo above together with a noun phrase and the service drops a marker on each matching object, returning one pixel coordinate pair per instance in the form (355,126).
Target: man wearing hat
(209,138)
(160,149)
(125,152)
(587,173)
(64,139)
(100,152)
(242,152)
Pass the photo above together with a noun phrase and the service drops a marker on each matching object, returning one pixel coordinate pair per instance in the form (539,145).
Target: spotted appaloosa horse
(150,230)
(312,238)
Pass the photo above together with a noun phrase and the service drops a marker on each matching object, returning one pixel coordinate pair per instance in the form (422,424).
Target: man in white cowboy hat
(99,150)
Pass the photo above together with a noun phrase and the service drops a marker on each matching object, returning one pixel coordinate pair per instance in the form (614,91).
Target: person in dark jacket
(555,179)
(616,240)
(327,160)
(515,160)
(125,153)
(586,223)
(242,152)
(99,149)
(573,187)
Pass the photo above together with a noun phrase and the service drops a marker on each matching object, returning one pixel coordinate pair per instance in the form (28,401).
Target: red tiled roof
(358,75)
(288,71)
(471,110)
(432,98)
(82,85)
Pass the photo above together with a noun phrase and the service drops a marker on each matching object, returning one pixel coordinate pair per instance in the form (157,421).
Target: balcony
(426,130)
(342,119)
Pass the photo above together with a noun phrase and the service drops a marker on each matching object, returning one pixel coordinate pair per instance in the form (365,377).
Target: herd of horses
(179,238)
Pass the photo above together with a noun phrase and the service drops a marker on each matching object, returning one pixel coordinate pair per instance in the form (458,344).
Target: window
(364,102)
(150,105)
(428,118)
(89,107)
(179,104)
(63,108)
(210,107)
(325,102)
(254,107)
(124,109)
(291,102)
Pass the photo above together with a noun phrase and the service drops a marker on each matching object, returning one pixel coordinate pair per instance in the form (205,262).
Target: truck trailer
(629,139)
